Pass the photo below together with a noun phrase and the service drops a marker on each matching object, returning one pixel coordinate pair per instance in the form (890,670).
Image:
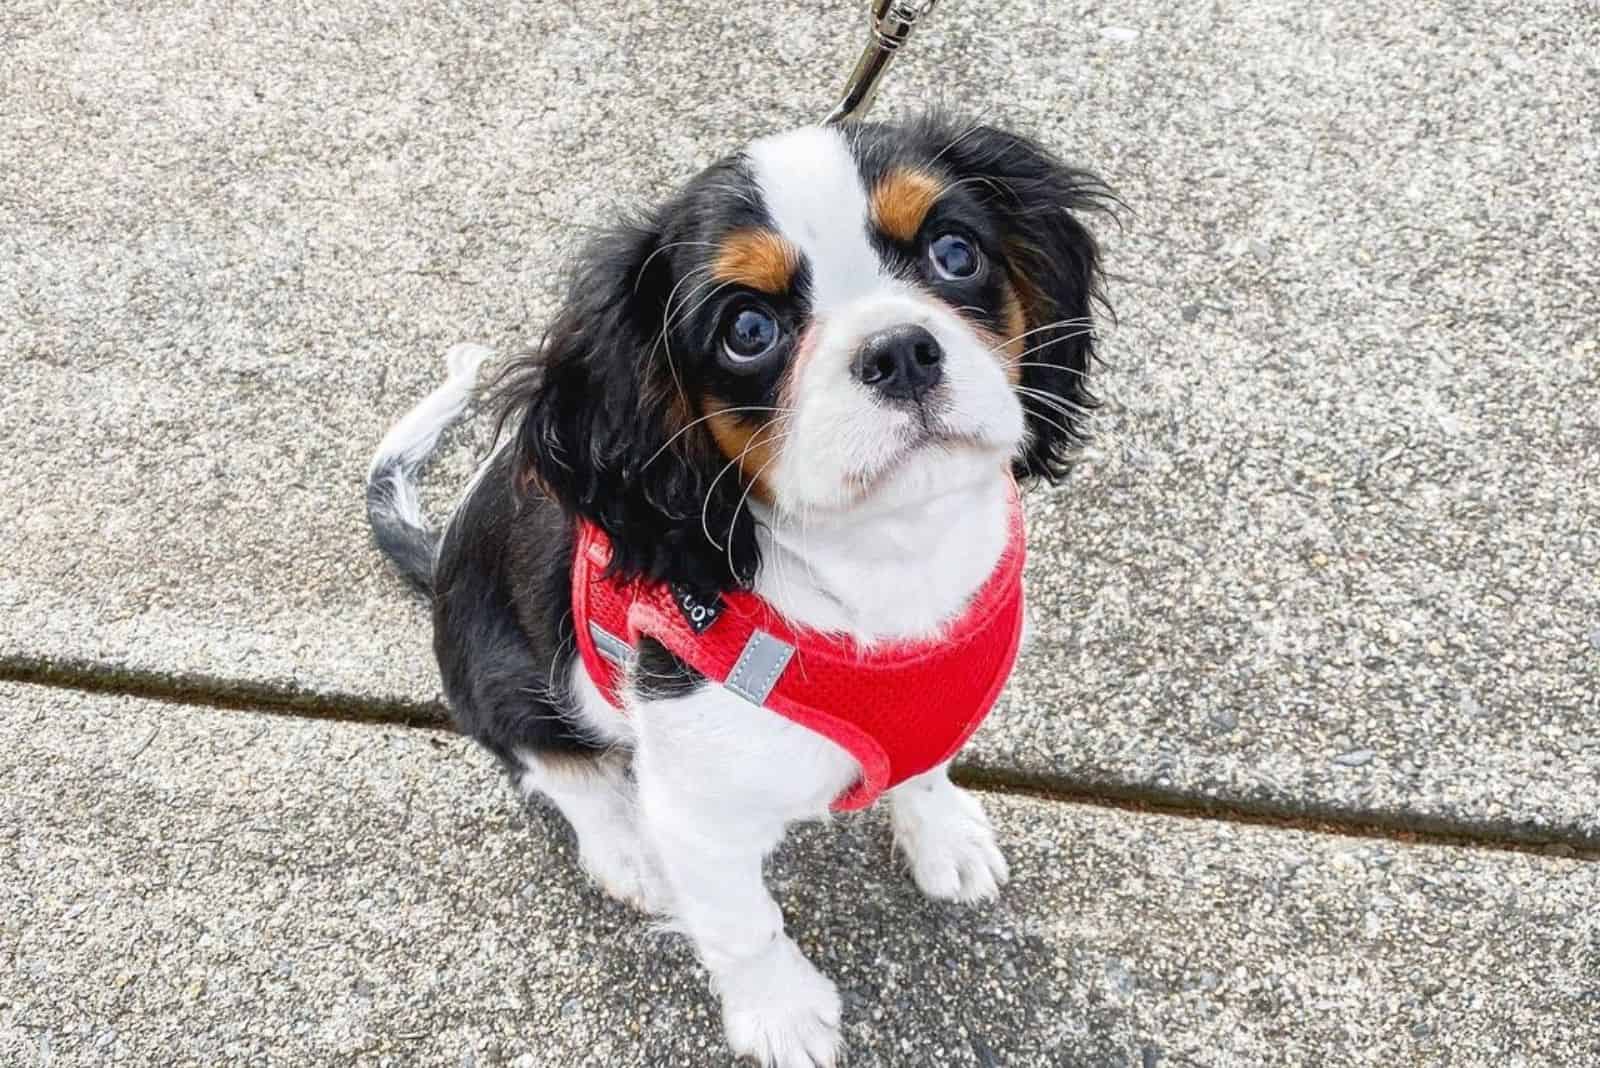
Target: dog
(749,546)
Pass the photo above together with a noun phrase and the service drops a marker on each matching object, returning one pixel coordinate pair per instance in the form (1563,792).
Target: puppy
(752,547)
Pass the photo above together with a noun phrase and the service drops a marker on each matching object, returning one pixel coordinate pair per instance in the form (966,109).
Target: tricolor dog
(751,548)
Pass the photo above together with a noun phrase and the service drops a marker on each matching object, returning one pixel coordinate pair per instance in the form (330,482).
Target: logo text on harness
(698,610)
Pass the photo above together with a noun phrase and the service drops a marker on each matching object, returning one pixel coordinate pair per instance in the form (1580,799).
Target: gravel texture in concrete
(1337,545)
(191,886)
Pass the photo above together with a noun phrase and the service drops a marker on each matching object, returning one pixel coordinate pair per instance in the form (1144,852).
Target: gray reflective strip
(610,646)
(758,667)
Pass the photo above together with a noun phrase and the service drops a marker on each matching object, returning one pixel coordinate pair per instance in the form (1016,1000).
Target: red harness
(900,708)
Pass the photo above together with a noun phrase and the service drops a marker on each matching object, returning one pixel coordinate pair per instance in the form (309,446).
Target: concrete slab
(187,886)
(1335,552)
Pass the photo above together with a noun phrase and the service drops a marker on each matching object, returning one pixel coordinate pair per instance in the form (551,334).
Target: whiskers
(676,311)
(663,338)
(712,415)
(1020,360)
(1083,321)
(755,479)
(668,247)
(1067,408)
(779,432)
(1053,408)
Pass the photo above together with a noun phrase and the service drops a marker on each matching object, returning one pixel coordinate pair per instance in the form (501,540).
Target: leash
(892,23)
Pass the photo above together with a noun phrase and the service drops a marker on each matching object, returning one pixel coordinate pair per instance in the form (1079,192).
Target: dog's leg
(944,834)
(596,798)
(718,782)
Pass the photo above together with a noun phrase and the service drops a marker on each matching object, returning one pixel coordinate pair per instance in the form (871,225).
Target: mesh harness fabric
(899,708)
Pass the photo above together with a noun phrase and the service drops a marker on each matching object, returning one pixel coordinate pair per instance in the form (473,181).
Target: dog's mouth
(932,430)
(929,430)
(936,426)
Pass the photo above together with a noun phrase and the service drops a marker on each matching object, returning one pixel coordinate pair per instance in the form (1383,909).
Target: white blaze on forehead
(814,194)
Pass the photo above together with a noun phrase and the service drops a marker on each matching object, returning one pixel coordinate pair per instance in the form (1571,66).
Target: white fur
(814,196)
(901,564)
(597,800)
(840,440)
(777,1008)
(602,721)
(872,539)
(716,780)
(719,781)
(411,440)
(947,839)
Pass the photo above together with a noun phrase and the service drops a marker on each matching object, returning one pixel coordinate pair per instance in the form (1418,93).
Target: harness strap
(899,708)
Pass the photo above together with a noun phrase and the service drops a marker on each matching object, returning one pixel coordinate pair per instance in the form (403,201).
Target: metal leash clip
(892,23)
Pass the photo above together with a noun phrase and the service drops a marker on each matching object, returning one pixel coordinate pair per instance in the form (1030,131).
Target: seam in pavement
(1399,827)
(213,692)
(1402,828)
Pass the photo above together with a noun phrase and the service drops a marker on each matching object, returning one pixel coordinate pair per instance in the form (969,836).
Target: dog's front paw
(947,839)
(778,1009)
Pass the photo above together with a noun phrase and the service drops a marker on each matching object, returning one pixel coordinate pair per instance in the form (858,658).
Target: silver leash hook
(892,23)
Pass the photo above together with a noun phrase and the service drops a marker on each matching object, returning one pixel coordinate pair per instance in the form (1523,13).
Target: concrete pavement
(1334,555)
(186,886)
(1335,551)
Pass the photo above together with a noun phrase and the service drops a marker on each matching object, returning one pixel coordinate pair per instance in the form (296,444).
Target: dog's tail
(393,508)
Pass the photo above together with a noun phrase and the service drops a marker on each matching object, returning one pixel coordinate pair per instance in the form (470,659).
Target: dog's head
(832,317)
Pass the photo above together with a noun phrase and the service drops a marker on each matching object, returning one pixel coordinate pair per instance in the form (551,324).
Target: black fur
(503,623)
(1038,201)
(408,547)
(629,465)
(662,675)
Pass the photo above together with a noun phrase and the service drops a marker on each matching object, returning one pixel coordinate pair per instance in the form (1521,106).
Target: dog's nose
(901,363)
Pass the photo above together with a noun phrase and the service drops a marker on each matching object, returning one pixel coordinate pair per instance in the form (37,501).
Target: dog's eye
(954,257)
(750,334)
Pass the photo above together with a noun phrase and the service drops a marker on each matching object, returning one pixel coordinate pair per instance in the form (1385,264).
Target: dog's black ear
(1054,267)
(608,428)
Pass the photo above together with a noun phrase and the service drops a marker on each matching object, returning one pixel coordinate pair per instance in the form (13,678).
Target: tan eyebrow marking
(757,257)
(902,199)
